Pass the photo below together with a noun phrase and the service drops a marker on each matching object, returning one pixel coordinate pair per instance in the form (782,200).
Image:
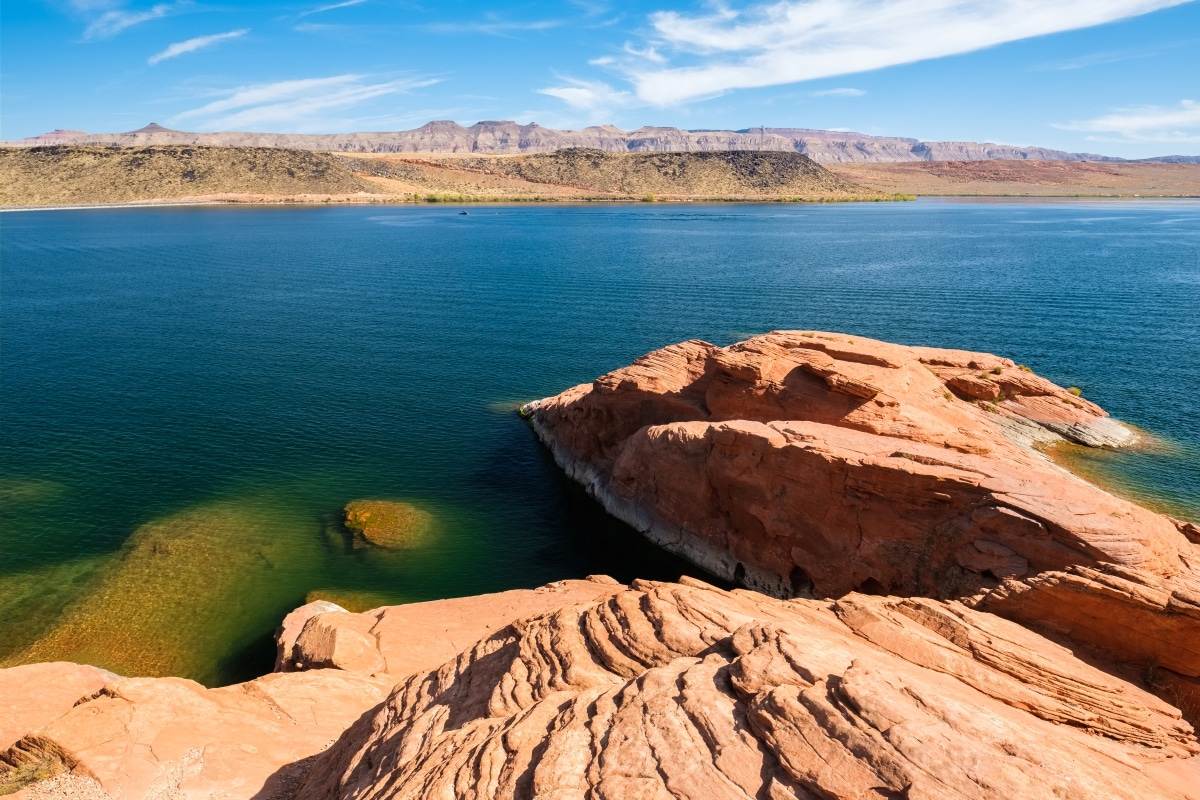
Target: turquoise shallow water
(191,394)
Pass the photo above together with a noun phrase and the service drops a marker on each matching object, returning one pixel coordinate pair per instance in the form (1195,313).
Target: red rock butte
(935,610)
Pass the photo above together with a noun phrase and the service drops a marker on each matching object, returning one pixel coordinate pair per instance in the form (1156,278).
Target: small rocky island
(934,609)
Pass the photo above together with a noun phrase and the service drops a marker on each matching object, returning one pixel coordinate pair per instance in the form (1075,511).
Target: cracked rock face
(683,690)
(812,464)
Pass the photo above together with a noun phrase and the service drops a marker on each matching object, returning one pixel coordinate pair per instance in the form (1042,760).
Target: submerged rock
(175,598)
(814,464)
(389,523)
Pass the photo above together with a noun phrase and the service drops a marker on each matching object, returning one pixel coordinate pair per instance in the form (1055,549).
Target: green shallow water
(191,395)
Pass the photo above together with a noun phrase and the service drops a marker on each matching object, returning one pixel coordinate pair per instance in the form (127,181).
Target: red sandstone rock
(401,640)
(172,738)
(806,463)
(35,694)
(670,690)
(98,735)
(656,690)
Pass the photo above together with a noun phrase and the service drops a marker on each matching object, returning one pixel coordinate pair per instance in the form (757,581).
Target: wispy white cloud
(647,53)
(595,98)
(1092,60)
(841,91)
(331,7)
(492,25)
(1178,124)
(197,43)
(115,19)
(296,104)
(1110,57)
(797,40)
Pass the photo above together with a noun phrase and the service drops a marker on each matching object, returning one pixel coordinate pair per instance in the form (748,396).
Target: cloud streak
(842,91)
(495,26)
(295,104)
(798,40)
(331,7)
(115,20)
(1178,124)
(192,45)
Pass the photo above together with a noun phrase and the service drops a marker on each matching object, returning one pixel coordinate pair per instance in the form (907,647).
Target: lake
(190,395)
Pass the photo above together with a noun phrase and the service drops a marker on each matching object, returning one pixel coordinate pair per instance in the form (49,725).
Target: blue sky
(1120,77)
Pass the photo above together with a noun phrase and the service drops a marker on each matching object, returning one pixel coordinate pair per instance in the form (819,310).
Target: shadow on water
(256,658)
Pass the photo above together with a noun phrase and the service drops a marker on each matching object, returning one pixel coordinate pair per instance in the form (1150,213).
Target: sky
(1118,77)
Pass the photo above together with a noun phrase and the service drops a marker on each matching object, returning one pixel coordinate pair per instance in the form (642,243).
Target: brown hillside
(735,174)
(83,175)
(1031,178)
(63,175)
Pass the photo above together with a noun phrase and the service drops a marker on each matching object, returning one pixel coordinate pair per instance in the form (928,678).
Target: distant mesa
(154,127)
(501,137)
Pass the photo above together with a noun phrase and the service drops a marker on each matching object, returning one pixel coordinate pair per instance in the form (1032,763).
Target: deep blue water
(238,374)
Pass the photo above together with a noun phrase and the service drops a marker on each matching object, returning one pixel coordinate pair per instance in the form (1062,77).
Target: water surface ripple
(191,394)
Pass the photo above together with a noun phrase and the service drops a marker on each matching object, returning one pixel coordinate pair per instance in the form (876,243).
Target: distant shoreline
(398,202)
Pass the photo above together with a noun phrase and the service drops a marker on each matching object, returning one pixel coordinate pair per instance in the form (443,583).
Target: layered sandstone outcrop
(593,689)
(401,640)
(687,691)
(813,464)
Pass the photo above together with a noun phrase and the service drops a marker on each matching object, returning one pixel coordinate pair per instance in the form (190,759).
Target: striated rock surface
(656,690)
(814,464)
(1048,646)
(683,690)
(401,640)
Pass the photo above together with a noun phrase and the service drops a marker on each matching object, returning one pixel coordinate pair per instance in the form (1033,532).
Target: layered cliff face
(814,464)
(505,137)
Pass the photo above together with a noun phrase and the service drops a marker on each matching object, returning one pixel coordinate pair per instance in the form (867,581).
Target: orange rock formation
(812,464)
